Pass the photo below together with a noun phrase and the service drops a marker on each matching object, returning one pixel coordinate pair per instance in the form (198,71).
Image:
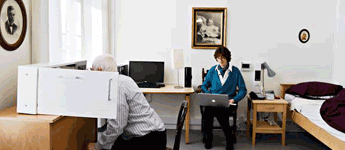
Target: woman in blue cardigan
(222,78)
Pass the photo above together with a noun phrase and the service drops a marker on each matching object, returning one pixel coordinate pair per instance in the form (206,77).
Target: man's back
(141,117)
(135,117)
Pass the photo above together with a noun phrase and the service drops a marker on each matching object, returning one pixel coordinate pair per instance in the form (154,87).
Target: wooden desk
(262,126)
(169,89)
(44,132)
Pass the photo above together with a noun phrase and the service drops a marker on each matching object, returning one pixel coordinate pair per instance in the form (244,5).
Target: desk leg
(284,125)
(248,121)
(187,119)
(255,113)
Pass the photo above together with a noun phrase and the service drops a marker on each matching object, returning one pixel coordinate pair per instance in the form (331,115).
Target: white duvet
(311,110)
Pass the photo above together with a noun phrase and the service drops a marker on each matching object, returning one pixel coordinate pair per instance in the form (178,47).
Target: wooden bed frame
(321,134)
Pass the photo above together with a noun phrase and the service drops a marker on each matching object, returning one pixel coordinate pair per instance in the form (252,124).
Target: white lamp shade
(178,59)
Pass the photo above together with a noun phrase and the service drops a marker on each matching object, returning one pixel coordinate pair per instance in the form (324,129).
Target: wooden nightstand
(277,106)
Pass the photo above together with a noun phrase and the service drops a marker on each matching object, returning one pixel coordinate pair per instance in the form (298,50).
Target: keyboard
(148,85)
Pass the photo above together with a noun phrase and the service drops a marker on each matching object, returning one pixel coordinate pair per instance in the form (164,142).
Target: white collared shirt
(226,74)
(135,117)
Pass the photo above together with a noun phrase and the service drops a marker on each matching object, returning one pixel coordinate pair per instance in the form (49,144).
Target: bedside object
(276,106)
(269,96)
(258,83)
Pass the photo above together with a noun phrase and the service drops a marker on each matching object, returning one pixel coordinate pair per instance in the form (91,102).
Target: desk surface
(168,89)
(11,114)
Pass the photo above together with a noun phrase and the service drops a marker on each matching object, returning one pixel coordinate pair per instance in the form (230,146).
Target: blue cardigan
(235,79)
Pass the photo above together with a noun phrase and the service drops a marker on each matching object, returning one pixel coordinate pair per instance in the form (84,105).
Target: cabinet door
(79,93)
(27,90)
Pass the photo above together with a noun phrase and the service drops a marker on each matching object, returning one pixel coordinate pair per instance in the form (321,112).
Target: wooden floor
(294,140)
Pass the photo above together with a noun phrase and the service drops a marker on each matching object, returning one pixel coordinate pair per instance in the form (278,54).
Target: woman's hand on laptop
(231,101)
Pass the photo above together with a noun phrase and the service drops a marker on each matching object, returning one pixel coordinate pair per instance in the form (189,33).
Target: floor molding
(290,126)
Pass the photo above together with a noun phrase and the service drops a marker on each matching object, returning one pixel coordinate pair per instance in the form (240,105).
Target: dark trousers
(222,115)
(155,140)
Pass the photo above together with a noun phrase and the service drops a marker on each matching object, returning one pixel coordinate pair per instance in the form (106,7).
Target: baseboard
(191,126)
(290,126)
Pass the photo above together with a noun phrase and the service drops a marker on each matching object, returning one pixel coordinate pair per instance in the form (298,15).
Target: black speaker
(123,70)
(257,75)
(188,77)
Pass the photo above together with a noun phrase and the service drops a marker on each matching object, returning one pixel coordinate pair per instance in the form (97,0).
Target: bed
(308,119)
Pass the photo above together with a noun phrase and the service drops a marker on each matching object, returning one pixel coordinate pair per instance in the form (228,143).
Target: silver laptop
(215,100)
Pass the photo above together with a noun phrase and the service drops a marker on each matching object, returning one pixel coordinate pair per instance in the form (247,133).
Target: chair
(179,125)
(232,114)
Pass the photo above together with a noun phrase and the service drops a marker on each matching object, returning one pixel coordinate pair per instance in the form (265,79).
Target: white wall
(40,32)
(339,44)
(9,62)
(257,31)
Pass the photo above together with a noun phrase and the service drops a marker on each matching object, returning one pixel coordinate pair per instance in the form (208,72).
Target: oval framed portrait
(13,24)
(304,36)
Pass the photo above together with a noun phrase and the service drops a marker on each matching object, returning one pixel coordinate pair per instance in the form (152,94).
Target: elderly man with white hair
(137,125)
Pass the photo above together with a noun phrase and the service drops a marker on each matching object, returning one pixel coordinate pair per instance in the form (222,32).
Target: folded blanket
(333,111)
(314,90)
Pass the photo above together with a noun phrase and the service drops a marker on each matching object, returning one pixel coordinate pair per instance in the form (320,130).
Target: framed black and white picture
(209,27)
(304,36)
(13,24)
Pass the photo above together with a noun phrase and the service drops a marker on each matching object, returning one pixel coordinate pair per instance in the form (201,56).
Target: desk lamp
(258,80)
(178,63)
(270,73)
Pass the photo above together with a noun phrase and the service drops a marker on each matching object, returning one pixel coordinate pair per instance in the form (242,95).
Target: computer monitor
(146,71)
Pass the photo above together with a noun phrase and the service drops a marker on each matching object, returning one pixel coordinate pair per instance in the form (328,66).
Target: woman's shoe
(229,146)
(208,145)
(208,138)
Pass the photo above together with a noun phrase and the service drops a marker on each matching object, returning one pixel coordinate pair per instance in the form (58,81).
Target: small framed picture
(13,24)
(209,27)
(304,36)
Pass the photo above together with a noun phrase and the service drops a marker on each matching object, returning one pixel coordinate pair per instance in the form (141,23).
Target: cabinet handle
(109,89)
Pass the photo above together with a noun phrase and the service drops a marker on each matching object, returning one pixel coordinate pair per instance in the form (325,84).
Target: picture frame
(304,36)
(209,27)
(13,24)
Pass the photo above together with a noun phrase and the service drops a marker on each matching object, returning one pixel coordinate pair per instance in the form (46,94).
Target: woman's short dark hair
(222,51)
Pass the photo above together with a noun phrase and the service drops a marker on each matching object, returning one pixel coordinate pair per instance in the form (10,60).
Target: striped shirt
(135,117)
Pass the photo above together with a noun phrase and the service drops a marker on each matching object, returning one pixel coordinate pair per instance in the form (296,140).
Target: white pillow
(321,97)
(289,97)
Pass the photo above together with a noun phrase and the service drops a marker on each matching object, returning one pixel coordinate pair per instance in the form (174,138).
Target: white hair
(106,62)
